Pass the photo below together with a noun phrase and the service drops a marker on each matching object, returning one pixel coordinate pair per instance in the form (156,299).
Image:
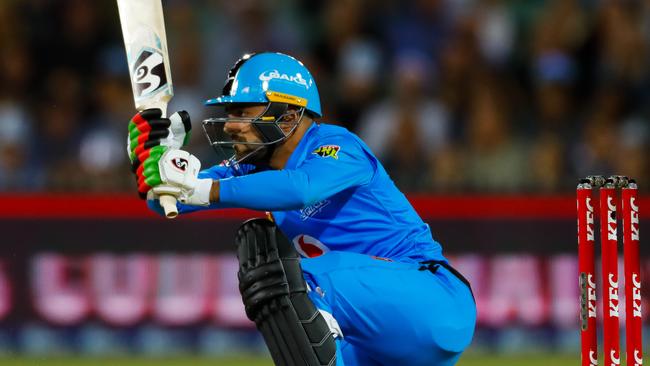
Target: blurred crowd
(453,96)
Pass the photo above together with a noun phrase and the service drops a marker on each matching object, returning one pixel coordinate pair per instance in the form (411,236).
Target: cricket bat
(143,29)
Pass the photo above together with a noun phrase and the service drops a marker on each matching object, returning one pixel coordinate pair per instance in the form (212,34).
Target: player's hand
(175,172)
(148,129)
(147,174)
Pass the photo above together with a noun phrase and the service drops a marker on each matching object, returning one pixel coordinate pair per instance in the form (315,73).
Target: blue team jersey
(333,194)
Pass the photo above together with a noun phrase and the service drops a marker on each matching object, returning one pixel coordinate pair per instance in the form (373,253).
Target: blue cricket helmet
(270,77)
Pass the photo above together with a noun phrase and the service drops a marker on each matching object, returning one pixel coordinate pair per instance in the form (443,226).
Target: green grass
(119,361)
(533,360)
(468,360)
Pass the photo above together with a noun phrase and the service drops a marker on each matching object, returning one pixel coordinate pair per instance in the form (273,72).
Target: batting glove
(175,172)
(148,129)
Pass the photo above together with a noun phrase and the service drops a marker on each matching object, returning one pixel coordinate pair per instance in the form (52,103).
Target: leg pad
(274,293)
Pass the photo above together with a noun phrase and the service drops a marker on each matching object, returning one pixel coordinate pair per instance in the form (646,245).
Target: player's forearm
(271,190)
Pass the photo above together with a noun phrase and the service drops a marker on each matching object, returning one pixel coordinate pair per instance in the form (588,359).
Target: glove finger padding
(147,129)
(138,137)
(172,132)
(149,173)
(142,123)
(142,151)
(145,135)
(149,114)
(139,125)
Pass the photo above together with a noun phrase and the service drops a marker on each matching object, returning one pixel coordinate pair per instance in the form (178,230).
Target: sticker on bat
(149,73)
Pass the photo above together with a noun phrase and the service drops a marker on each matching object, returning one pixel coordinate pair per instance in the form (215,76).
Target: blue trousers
(391,313)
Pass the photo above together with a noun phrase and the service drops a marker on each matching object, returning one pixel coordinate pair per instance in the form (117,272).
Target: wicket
(609,258)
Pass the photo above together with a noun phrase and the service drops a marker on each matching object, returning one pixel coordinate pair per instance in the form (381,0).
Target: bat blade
(145,41)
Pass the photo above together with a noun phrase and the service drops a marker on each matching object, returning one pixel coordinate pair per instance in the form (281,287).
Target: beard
(252,154)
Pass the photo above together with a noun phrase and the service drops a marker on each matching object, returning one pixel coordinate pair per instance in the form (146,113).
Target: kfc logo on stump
(308,246)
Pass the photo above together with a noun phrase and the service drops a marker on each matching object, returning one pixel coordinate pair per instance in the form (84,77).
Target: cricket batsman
(344,271)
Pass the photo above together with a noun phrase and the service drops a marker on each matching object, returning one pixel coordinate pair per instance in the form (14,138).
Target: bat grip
(168,203)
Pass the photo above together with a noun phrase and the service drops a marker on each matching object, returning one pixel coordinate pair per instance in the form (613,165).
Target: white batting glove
(179,172)
(179,130)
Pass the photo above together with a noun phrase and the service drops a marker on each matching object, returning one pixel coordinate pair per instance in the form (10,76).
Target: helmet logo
(274,74)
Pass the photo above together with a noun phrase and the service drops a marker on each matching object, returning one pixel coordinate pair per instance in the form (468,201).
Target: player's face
(243,131)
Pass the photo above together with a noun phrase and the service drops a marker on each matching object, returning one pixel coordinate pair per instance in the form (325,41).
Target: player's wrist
(214,191)
(201,194)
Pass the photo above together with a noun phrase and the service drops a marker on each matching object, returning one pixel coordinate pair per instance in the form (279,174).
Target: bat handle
(168,203)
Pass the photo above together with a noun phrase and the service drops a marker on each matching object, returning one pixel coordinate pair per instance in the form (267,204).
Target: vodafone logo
(308,246)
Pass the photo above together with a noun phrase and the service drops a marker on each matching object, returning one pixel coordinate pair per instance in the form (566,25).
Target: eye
(236,112)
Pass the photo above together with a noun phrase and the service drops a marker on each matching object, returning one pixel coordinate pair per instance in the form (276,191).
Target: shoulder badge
(328,151)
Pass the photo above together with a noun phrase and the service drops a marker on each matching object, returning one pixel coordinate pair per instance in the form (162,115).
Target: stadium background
(486,112)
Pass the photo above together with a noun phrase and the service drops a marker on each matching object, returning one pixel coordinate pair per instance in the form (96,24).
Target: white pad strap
(334,326)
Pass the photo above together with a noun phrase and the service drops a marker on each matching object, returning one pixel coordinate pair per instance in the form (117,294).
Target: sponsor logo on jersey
(328,151)
(274,74)
(180,164)
(308,246)
(312,210)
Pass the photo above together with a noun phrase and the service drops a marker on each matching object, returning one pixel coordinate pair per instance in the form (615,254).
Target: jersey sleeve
(216,172)
(336,164)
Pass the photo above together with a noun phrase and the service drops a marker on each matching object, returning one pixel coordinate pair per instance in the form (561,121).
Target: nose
(233,127)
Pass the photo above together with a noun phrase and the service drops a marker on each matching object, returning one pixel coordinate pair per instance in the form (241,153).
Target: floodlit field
(536,360)
(469,360)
